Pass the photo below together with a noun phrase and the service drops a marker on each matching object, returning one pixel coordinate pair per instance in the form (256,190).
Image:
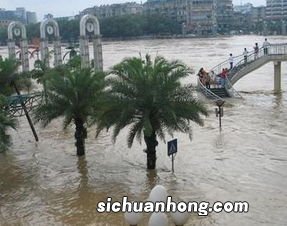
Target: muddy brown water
(47,184)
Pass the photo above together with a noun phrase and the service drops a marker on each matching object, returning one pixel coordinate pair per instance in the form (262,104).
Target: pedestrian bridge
(244,65)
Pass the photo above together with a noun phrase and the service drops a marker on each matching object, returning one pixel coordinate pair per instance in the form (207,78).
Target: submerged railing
(207,91)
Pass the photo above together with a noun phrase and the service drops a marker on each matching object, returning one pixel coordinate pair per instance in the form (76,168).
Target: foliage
(148,97)
(69,30)
(33,30)
(10,75)
(118,26)
(73,94)
(74,62)
(3,36)
(5,123)
(138,25)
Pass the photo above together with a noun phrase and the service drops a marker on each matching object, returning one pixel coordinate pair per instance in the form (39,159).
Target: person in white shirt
(245,54)
(231,61)
(256,51)
(266,44)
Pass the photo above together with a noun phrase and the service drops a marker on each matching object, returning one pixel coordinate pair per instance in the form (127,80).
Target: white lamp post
(132,218)
(178,218)
(158,194)
(158,219)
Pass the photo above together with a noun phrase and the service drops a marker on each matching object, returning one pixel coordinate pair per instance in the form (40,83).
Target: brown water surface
(46,184)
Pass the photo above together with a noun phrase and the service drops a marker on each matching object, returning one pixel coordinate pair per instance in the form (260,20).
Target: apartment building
(20,14)
(258,14)
(224,15)
(276,9)
(105,11)
(197,16)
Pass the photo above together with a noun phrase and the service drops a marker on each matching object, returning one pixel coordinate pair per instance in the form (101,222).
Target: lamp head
(179,218)
(158,219)
(133,218)
(158,194)
(220,103)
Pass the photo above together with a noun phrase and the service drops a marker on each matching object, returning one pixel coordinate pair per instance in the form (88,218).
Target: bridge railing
(241,61)
(230,89)
(251,57)
(207,92)
(278,49)
(273,49)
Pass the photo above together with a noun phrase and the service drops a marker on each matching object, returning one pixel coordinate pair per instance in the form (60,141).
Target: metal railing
(207,92)
(231,91)
(240,61)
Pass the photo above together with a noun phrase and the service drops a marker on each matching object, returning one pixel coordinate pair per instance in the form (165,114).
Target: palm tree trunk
(151,144)
(80,136)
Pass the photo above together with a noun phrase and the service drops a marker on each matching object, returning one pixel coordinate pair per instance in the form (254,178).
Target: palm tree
(5,123)
(10,81)
(73,94)
(8,71)
(148,97)
(9,77)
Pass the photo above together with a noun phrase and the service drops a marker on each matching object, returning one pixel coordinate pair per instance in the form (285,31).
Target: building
(166,8)
(202,17)
(258,14)
(31,17)
(224,15)
(197,16)
(4,23)
(276,10)
(246,8)
(105,11)
(19,14)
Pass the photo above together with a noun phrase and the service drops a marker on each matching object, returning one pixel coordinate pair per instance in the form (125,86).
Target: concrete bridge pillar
(277,76)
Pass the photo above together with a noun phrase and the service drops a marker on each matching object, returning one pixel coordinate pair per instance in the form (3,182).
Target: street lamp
(132,218)
(219,111)
(158,219)
(157,194)
(178,218)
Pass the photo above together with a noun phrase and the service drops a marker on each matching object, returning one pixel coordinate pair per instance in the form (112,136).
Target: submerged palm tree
(9,77)
(10,82)
(5,123)
(148,97)
(74,95)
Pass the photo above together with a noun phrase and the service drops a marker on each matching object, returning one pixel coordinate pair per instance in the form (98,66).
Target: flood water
(45,183)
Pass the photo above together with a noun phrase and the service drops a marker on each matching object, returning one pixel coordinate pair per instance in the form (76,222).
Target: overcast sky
(72,7)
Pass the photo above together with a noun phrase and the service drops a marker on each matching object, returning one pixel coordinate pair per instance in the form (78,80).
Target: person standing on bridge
(231,59)
(256,51)
(223,76)
(266,45)
(245,54)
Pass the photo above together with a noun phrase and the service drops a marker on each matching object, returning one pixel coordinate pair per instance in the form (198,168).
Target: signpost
(172,150)
(219,111)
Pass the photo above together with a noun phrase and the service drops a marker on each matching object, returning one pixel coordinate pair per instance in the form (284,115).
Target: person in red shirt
(223,76)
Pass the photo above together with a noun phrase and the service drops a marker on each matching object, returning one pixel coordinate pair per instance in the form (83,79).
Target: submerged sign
(172,147)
